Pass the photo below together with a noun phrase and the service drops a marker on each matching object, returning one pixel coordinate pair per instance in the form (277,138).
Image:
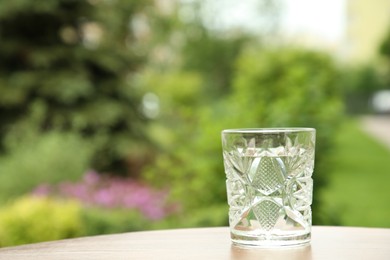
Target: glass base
(270,241)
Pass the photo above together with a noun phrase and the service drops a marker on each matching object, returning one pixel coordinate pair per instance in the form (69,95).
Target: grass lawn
(358,193)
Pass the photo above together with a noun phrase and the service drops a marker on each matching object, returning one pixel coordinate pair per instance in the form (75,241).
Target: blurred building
(367,22)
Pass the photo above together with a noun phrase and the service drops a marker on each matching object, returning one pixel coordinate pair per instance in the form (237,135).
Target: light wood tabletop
(209,243)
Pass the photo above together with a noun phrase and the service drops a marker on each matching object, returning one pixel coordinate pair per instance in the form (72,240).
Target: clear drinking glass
(269,185)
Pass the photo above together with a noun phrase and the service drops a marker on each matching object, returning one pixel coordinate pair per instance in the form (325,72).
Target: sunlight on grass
(358,189)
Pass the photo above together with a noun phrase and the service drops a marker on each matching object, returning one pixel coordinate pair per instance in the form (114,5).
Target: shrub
(32,219)
(271,88)
(107,221)
(34,159)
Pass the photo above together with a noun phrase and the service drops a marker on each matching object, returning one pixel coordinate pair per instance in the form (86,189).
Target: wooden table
(208,243)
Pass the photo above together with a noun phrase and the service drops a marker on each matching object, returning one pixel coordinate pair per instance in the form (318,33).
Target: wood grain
(208,243)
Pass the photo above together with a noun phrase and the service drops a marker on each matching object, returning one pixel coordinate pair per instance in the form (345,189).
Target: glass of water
(269,185)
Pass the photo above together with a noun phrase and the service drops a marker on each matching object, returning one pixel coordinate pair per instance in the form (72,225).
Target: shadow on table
(291,253)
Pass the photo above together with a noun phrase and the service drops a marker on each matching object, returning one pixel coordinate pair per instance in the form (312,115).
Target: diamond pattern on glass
(267,213)
(266,174)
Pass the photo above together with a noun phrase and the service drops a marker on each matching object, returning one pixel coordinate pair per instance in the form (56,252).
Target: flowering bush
(112,192)
(30,219)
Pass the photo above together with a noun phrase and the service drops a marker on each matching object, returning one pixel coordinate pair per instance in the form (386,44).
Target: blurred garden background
(111,110)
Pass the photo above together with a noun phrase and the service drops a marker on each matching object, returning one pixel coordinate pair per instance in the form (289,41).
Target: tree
(68,65)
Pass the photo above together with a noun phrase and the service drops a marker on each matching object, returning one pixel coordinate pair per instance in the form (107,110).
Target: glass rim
(272,130)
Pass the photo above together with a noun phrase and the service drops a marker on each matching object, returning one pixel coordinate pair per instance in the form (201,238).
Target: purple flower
(153,211)
(113,192)
(91,178)
(42,190)
(74,190)
(104,198)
